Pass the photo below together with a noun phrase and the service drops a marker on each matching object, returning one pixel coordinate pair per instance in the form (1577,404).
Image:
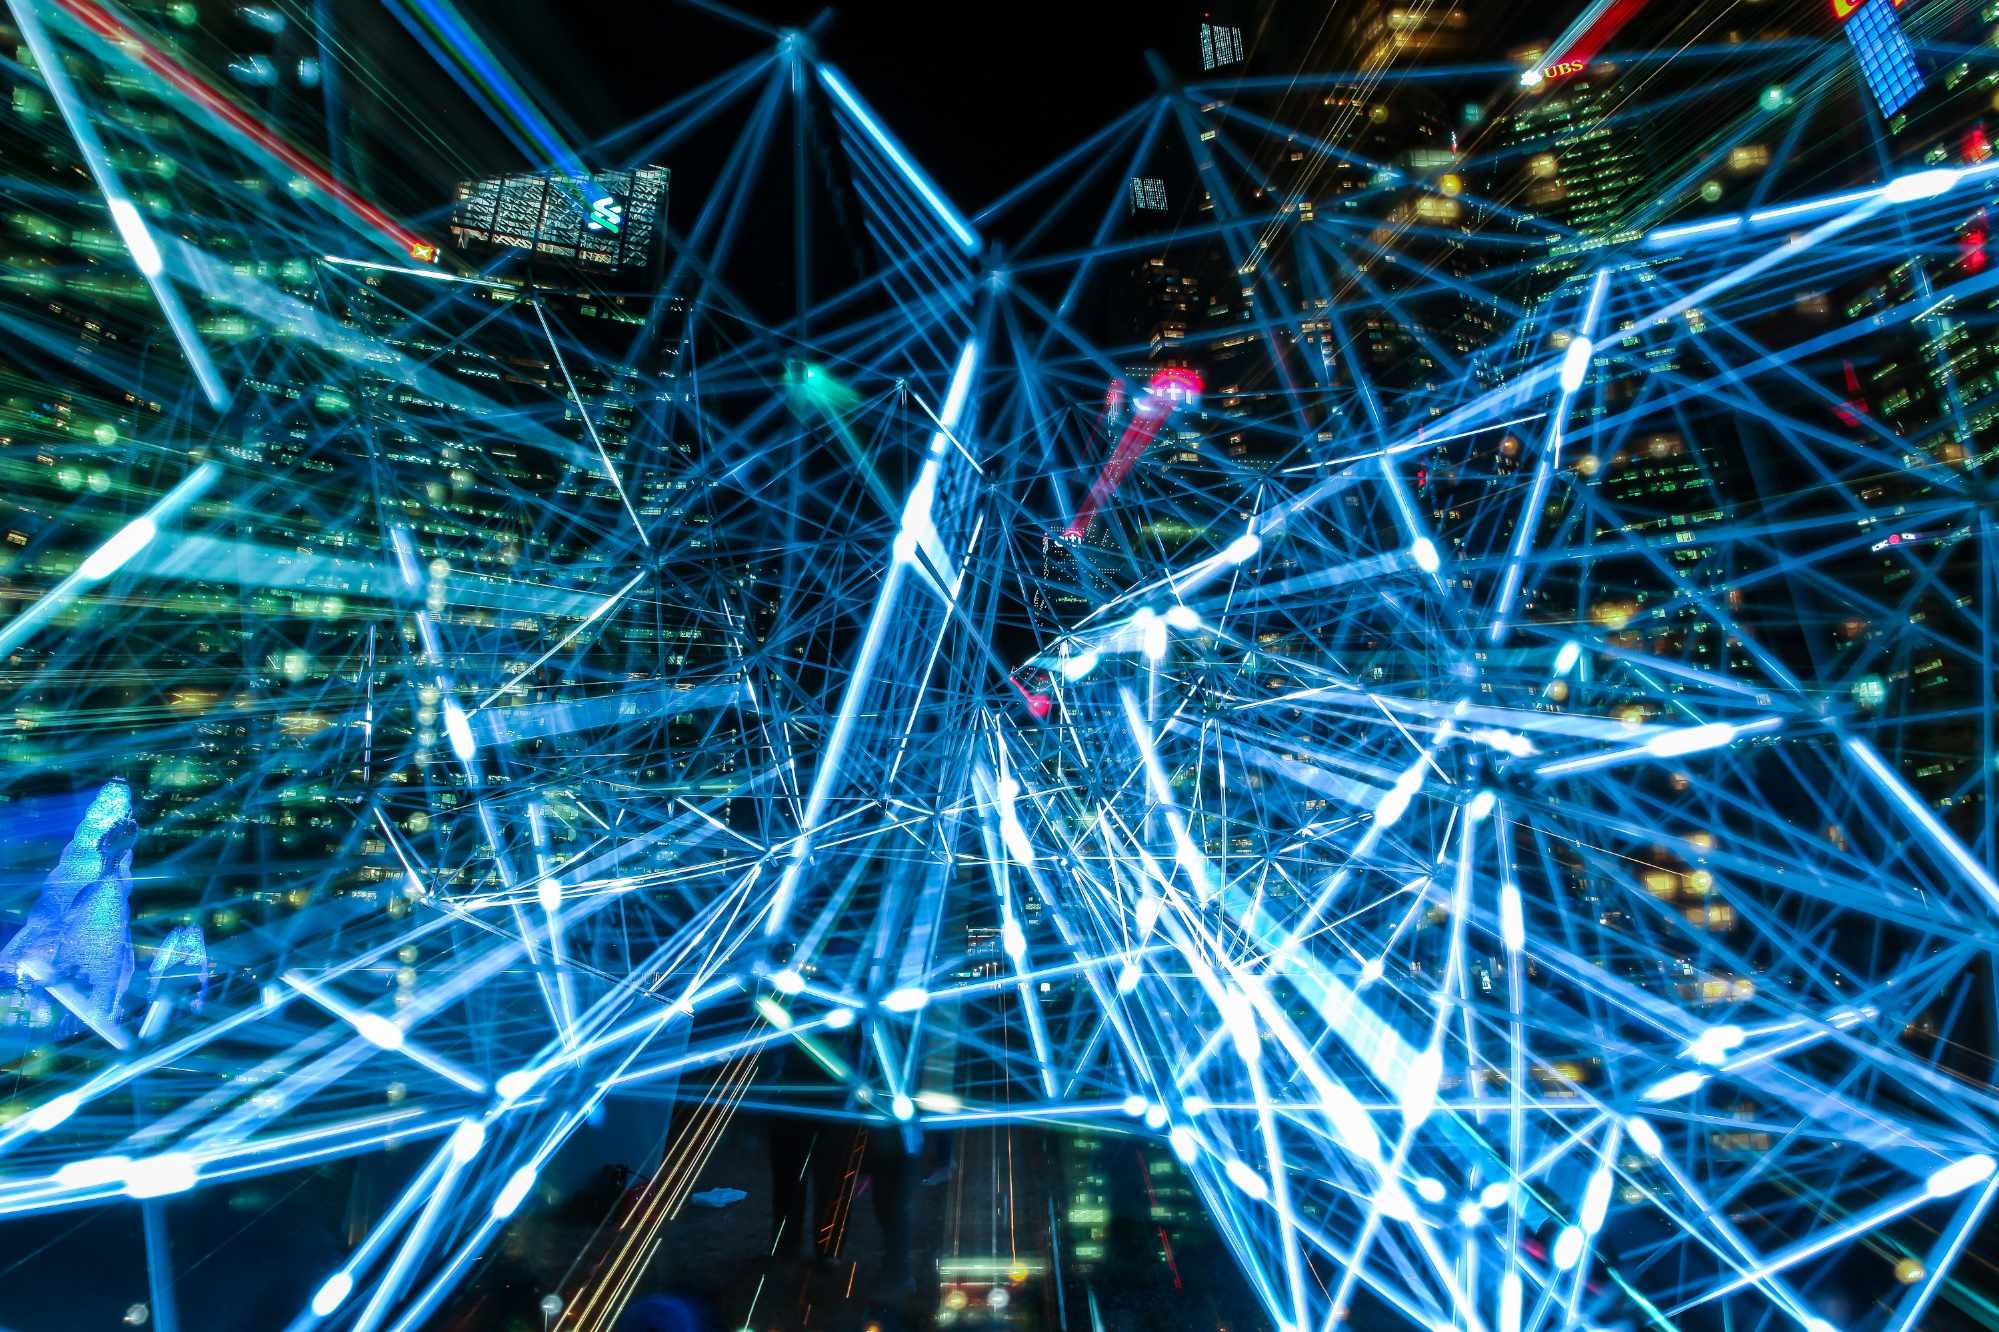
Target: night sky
(982,98)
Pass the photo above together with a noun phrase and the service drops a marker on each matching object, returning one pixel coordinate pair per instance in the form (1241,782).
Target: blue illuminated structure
(1886,60)
(1471,800)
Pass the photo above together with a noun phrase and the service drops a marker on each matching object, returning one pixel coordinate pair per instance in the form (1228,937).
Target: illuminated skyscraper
(608,222)
(1221,45)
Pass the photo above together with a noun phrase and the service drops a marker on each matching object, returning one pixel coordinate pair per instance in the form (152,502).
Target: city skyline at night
(1265,667)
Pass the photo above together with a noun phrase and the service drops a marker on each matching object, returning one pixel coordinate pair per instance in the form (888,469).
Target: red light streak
(106,25)
(1038,703)
(1169,389)
(1593,39)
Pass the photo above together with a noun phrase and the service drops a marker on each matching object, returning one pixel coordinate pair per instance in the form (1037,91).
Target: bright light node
(1566,659)
(1185,1145)
(1494,1195)
(330,1296)
(1419,1090)
(1393,1203)
(1512,927)
(511,1196)
(1128,978)
(512,1086)
(1196,1104)
(378,1030)
(459,728)
(1575,363)
(904,1108)
(1690,740)
(1080,665)
(908,999)
(1013,939)
(788,981)
(1530,78)
(549,892)
(1133,1105)
(92,1172)
(1183,618)
(1480,807)
(1429,1189)
(1424,552)
(1960,1175)
(114,554)
(1596,1202)
(159,1176)
(1240,1018)
(466,1140)
(1920,185)
(1248,1180)
(1568,1248)
(1371,971)
(1155,1116)
(1243,549)
(1674,1087)
(839,1019)
(1644,1136)
(1713,1045)
(138,237)
(53,1112)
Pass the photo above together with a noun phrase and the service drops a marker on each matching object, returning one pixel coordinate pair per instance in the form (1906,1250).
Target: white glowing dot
(113,555)
(53,1112)
(329,1296)
(1575,363)
(1960,1175)
(91,1172)
(906,1000)
(1080,665)
(1248,1180)
(516,1189)
(377,1030)
(466,1140)
(138,237)
(459,728)
(158,1176)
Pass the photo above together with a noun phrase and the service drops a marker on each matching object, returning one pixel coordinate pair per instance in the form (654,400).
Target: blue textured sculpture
(75,949)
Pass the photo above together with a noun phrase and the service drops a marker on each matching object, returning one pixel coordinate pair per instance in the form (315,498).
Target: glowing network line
(1469,799)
